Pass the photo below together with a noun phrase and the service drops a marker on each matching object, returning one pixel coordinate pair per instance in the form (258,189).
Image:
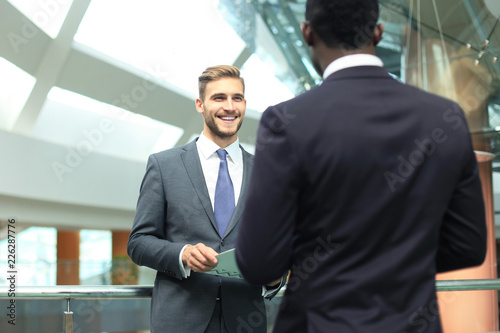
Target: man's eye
(239,99)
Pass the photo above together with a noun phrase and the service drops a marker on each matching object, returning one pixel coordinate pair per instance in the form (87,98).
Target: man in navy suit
(179,226)
(363,187)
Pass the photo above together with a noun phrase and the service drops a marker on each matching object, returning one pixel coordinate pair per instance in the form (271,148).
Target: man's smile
(227,119)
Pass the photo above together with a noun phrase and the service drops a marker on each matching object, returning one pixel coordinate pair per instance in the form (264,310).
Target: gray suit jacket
(173,210)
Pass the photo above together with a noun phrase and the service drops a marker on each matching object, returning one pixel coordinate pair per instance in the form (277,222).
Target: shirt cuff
(269,293)
(185,270)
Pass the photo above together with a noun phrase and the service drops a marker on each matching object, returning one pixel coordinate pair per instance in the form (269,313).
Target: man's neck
(221,142)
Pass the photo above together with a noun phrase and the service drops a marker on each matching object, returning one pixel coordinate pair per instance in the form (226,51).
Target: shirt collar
(353,60)
(208,148)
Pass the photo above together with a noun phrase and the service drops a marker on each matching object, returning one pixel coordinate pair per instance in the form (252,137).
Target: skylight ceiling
(175,40)
(15,87)
(47,15)
(95,127)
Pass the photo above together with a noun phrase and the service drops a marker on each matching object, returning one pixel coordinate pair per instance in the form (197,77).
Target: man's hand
(199,258)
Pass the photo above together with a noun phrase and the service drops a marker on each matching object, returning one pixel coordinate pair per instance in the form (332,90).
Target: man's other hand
(199,258)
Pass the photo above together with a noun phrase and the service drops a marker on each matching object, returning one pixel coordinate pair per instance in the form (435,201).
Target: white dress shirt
(352,60)
(210,162)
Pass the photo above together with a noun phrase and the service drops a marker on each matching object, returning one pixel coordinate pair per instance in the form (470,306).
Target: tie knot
(222,154)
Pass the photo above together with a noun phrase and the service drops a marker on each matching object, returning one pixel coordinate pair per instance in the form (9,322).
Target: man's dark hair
(343,23)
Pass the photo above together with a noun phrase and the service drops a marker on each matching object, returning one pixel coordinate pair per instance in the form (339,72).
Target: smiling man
(222,104)
(189,209)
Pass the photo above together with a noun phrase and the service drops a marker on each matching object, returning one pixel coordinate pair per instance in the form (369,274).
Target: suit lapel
(192,163)
(238,210)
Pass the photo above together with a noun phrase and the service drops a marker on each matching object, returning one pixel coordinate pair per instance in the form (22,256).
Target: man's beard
(210,122)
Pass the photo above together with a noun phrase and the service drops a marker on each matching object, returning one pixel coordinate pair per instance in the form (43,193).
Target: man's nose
(229,105)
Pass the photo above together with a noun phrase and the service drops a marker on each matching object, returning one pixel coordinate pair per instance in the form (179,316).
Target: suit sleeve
(462,238)
(263,248)
(147,245)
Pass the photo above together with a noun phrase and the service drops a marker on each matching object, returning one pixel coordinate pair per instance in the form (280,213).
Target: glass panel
(176,40)
(262,88)
(35,257)
(72,119)
(281,21)
(15,88)
(48,15)
(95,257)
(92,315)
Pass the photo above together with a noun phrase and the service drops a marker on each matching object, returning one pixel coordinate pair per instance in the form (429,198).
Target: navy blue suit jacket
(364,188)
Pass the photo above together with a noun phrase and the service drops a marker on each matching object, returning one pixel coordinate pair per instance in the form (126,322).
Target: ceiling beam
(52,61)
(103,78)
(24,42)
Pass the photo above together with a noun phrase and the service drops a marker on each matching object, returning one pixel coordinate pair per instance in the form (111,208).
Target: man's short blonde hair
(216,73)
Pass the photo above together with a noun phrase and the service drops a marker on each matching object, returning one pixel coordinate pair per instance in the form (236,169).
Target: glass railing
(73,309)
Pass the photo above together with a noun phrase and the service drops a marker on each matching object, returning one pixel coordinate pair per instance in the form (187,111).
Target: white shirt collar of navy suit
(353,60)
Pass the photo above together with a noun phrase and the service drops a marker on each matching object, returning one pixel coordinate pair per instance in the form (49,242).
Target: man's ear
(378,31)
(199,105)
(307,33)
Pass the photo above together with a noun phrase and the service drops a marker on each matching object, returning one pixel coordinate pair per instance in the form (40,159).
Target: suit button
(222,243)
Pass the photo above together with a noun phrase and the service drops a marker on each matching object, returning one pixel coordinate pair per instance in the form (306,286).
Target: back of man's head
(347,24)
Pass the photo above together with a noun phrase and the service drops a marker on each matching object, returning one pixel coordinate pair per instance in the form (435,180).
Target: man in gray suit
(189,206)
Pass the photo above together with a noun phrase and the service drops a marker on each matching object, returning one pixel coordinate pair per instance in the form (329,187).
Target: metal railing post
(68,320)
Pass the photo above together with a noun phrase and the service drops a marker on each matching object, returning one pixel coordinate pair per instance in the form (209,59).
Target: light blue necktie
(224,195)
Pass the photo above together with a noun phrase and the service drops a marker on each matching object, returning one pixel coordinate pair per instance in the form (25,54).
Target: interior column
(440,68)
(68,257)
